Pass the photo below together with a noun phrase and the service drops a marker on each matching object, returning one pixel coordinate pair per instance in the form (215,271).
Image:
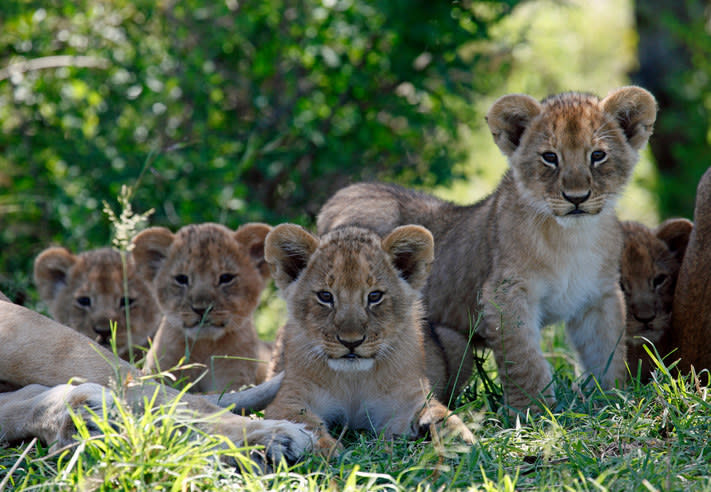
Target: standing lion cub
(208,280)
(353,344)
(543,247)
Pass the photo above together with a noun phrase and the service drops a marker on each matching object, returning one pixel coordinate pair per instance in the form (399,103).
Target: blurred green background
(243,110)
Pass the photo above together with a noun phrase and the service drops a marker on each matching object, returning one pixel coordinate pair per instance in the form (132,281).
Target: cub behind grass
(208,280)
(543,247)
(651,259)
(353,341)
(86,292)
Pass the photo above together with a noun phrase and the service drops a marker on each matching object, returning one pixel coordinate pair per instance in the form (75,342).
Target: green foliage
(237,111)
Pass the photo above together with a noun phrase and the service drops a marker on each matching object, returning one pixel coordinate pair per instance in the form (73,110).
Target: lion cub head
(86,292)
(571,154)
(353,299)
(207,277)
(651,260)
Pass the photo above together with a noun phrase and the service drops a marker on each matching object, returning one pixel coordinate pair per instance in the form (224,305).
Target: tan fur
(544,247)
(651,259)
(208,280)
(41,355)
(86,292)
(691,312)
(353,342)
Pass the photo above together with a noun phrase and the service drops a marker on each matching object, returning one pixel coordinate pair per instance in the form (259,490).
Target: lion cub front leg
(598,335)
(512,331)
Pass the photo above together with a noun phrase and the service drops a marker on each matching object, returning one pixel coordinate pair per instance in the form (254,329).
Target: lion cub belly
(355,403)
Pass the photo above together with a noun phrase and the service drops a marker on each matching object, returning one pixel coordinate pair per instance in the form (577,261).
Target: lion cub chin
(208,280)
(544,247)
(352,345)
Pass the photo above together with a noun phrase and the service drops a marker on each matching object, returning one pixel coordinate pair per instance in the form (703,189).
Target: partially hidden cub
(543,247)
(208,280)
(651,259)
(87,292)
(353,343)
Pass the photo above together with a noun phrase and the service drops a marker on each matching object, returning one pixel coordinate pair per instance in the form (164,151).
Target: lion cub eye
(181,279)
(659,280)
(597,156)
(550,159)
(226,278)
(375,297)
(84,301)
(124,301)
(324,296)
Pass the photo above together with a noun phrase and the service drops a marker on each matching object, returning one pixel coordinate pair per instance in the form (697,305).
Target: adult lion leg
(44,412)
(598,335)
(37,350)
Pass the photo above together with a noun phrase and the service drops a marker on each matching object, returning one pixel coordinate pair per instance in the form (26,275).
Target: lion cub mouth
(351,363)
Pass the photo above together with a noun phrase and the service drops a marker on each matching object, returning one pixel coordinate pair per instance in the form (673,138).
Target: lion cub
(543,247)
(208,280)
(353,344)
(651,260)
(86,292)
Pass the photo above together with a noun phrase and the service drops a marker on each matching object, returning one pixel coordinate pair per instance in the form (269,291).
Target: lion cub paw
(281,439)
(454,427)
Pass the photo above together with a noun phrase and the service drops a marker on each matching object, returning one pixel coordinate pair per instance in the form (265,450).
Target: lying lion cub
(208,280)
(86,292)
(543,247)
(651,259)
(353,343)
(40,355)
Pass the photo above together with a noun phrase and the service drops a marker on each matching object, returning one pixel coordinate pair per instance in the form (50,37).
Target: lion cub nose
(576,198)
(350,344)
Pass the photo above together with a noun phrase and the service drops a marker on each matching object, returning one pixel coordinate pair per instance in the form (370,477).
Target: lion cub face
(651,259)
(86,292)
(571,154)
(351,296)
(206,277)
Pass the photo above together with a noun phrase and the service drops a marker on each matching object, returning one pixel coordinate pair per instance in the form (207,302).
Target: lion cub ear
(411,248)
(675,233)
(287,250)
(150,249)
(50,271)
(635,110)
(509,117)
(252,237)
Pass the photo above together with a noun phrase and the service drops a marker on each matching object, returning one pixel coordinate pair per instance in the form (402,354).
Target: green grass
(640,437)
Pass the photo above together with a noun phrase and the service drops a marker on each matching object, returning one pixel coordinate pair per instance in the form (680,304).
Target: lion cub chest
(359,402)
(571,275)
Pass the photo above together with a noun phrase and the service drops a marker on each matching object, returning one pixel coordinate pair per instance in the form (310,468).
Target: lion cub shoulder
(208,280)
(353,344)
(651,259)
(86,292)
